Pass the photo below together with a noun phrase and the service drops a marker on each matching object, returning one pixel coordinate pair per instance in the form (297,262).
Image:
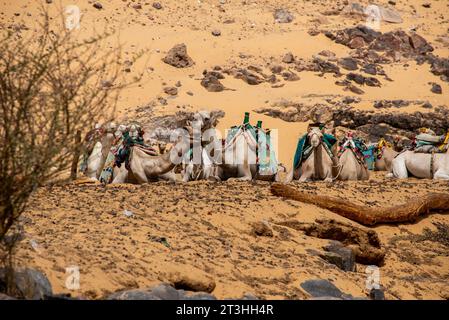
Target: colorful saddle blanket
(356,145)
(304,149)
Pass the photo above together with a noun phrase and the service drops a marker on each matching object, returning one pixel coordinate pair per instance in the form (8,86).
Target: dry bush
(54,86)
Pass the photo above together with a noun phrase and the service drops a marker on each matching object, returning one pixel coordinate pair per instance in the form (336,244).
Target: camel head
(315,135)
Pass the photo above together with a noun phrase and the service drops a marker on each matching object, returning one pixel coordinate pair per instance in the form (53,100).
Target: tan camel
(318,165)
(384,163)
(350,168)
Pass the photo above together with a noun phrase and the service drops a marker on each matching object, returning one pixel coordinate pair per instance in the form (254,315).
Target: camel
(145,167)
(94,160)
(318,165)
(238,160)
(350,168)
(384,163)
(421,165)
(97,157)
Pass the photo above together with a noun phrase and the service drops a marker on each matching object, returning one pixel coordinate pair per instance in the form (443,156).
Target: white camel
(239,159)
(421,165)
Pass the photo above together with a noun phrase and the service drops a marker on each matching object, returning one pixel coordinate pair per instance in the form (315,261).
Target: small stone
(392,2)
(377,294)
(277,69)
(356,43)
(157,5)
(190,93)
(262,228)
(348,63)
(98,5)
(290,76)
(173,91)
(436,88)
(426,5)
(178,84)
(283,16)
(49,1)
(288,58)
(137,6)
(216,33)
(427,105)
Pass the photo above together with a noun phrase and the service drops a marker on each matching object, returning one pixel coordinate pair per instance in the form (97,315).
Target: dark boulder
(321,288)
(339,255)
(348,63)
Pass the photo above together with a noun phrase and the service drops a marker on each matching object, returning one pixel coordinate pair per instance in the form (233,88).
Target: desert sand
(208,226)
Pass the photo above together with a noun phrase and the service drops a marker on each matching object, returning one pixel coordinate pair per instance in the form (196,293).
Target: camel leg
(399,168)
(244,173)
(290,175)
(121,176)
(441,175)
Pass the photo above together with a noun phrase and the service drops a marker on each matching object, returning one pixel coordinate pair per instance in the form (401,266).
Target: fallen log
(407,212)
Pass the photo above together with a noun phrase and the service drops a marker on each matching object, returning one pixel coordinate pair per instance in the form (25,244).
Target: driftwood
(407,212)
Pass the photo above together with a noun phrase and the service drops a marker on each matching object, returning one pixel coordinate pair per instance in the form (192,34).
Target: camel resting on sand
(350,168)
(239,159)
(318,165)
(421,165)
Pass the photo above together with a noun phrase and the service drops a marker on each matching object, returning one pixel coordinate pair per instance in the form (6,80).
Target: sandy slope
(208,225)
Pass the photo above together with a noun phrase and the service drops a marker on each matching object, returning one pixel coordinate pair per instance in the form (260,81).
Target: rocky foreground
(232,240)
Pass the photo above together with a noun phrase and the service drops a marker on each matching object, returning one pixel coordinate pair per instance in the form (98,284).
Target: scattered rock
(339,255)
(290,76)
(262,228)
(216,33)
(248,77)
(348,63)
(211,83)
(98,5)
(137,6)
(426,5)
(377,294)
(29,284)
(277,69)
(288,58)
(323,66)
(157,5)
(427,105)
(436,88)
(362,80)
(382,104)
(283,16)
(327,54)
(321,288)
(178,57)
(390,15)
(173,91)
